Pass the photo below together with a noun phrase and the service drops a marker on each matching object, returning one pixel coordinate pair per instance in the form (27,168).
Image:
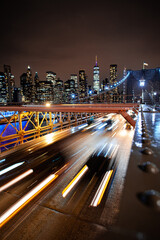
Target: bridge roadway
(50,215)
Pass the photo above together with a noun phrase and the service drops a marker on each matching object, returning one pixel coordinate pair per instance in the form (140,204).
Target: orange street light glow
(101,190)
(15,208)
(74,181)
(15,180)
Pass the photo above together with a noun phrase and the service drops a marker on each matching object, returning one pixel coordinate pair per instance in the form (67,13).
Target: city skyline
(51,36)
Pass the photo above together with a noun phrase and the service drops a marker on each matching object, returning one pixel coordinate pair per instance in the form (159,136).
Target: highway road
(53,212)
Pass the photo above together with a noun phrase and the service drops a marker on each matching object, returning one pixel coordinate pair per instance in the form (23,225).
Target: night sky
(65,36)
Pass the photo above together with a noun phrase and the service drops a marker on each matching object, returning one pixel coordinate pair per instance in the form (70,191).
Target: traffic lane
(67,170)
(107,212)
(24,185)
(9,229)
(79,161)
(20,190)
(37,156)
(29,150)
(59,212)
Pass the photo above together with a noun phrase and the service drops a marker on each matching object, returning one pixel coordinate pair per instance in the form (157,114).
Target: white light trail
(74,181)
(15,180)
(101,189)
(2,160)
(10,168)
(8,214)
(103,125)
(85,125)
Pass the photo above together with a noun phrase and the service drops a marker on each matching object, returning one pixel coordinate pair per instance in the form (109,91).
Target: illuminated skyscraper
(10,83)
(51,77)
(82,84)
(69,89)
(45,91)
(27,85)
(3,89)
(58,97)
(96,77)
(113,76)
(36,85)
(75,78)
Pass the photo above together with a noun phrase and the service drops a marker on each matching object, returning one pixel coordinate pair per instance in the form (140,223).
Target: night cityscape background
(66,37)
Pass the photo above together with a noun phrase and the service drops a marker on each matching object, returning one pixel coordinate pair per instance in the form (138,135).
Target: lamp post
(142,84)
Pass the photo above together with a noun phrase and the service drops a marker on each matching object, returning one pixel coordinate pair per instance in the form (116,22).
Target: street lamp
(142,84)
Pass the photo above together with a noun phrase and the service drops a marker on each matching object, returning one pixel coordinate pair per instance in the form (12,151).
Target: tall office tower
(51,77)
(113,76)
(36,78)
(69,89)
(105,84)
(96,78)
(17,96)
(3,88)
(75,78)
(58,98)
(45,91)
(10,82)
(82,84)
(27,85)
(36,85)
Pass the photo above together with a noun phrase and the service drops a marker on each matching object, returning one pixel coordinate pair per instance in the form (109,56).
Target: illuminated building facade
(75,78)
(58,93)
(3,89)
(17,96)
(96,79)
(51,77)
(26,84)
(10,83)
(69,90)
(36,85)
(113,76)
(45,91)
(105,84)
(82,84)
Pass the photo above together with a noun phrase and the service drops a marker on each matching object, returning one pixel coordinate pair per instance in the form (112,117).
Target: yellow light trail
(74,181)
(101,190)
(15,180)
(15,208)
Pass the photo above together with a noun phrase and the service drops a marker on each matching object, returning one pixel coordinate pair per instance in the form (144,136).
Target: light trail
(101,189)
(74,181)
(2,160)
(15,208)
(83,126)
(10,168)
(15,180)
